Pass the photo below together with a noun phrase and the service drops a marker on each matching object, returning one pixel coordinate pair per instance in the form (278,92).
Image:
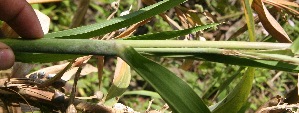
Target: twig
(77,75)
(283,106)
(80,13)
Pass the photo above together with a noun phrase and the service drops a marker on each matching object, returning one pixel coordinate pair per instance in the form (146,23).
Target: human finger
(7,57)
(19,15)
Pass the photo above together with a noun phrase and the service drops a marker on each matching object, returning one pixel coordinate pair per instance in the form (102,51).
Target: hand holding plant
(20,16)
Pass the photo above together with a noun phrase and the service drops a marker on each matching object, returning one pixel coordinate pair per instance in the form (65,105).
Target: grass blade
(295,46)
(196,49)
(121,80)
(178,95)
(116,23)
(171,34)
(143,93)
(235,100)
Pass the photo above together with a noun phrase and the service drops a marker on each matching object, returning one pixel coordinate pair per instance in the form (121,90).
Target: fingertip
(7,57)
(26,24)
(19,15)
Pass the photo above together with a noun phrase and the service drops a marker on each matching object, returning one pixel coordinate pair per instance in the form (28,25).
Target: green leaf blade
(238,97)
(172,34)
(178,95)
(116,23)
(121,80)
(295,46)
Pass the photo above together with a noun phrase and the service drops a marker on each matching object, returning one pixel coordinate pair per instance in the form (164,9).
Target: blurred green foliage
(206,78)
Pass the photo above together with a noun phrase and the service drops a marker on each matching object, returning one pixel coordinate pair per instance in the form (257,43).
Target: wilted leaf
(163,15)
(132,28)
(282,4)
(182,17)
(57,76)
(121,80)
(87,69)
(269,23)
(50,70)
(20,70)
(8,31)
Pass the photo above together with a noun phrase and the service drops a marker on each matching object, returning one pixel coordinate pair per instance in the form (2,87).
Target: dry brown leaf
(238,28)
(100,67)
(182,17)
(191,20)
(272,102)
(129,31)
(8,31)
(121,69)
(170,21)
(194,19)
(87,69)
(284,2)
(282,5)
(20,70)
(184,20)
(210,17)
(163,15)
(269,23)
(50,70)
(81,60)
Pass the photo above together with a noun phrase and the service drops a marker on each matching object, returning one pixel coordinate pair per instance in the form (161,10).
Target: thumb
(7,57)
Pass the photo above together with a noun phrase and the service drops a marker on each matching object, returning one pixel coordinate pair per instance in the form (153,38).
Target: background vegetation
(210,80)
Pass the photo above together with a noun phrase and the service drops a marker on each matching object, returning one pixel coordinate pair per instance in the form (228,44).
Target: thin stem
(203,44)
(80,13)
(102,47)
(240,53)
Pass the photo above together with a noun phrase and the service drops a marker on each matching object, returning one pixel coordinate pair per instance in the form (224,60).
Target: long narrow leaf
(269,64)
(235,100)
(121,80)
(178,95)
(295,46)
(116,23)
(42,57)
(249,19)
(143,93)
(171,34)
(93,47)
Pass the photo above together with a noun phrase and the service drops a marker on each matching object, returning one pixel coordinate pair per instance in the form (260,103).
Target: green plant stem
(277,57)
(237,53)
(180,50)
(101,47)
(203,44)
(97,47)
(63,46)
(240,53)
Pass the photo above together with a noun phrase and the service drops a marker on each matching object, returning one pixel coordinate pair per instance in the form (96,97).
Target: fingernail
(6,58)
